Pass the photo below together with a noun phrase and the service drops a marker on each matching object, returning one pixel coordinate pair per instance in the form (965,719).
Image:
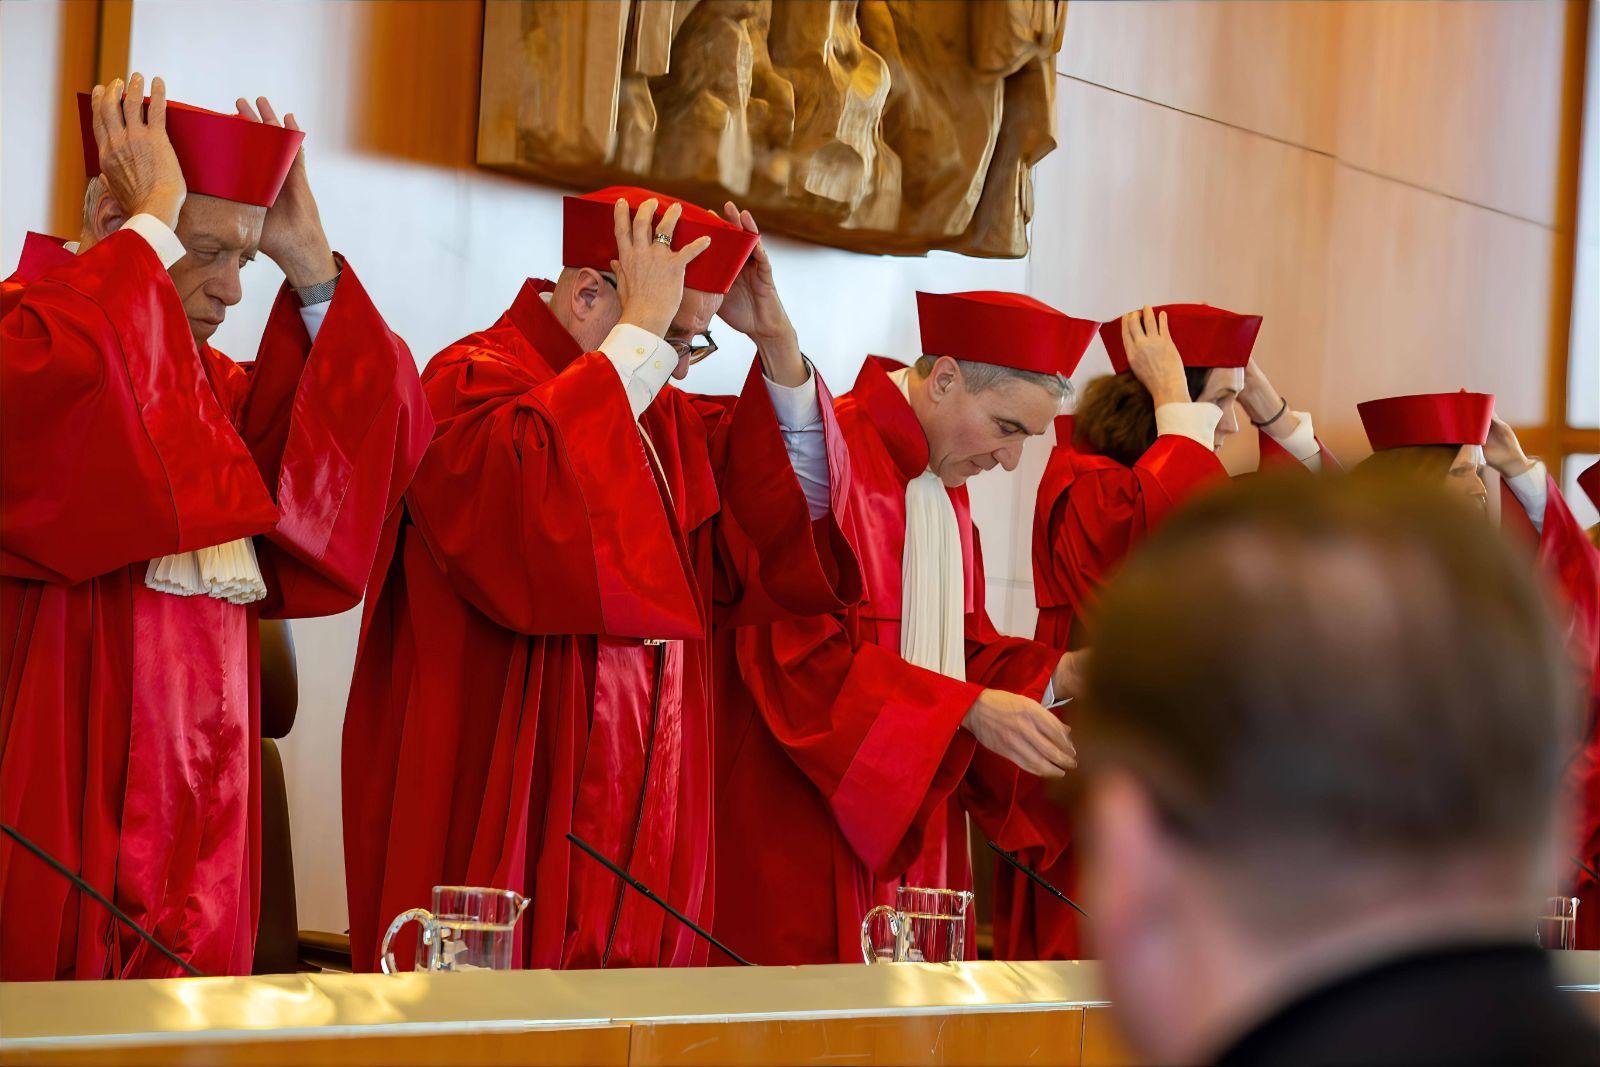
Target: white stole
(932,579)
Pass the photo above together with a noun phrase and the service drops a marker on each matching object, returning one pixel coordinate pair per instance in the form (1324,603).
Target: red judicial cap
(1007,329)
(1205,336)
(221,155)
(1589,482)
(589,236)
(1427,419)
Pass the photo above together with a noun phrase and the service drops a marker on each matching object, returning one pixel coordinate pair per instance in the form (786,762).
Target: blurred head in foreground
(1364,761)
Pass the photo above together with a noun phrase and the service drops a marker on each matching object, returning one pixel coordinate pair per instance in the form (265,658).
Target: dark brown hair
(1360,667)
(1117,417)
(1426,463)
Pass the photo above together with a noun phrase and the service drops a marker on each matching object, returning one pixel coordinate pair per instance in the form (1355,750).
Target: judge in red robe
(1142,440)
(1453,437)
(159,498)
(1586,781)
(538,658)
(869,736)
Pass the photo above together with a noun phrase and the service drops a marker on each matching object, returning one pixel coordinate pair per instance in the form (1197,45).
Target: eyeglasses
(695,350)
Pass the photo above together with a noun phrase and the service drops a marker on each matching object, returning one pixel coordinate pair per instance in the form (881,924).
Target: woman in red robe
(129,738)
(1452,438)
(1142,440)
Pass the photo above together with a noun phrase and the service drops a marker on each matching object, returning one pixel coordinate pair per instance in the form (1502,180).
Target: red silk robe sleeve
(879,738)
(1571,564)
(574,537)
(775,561)
(1107,510)
(995,791)
(116,448)
(337,427)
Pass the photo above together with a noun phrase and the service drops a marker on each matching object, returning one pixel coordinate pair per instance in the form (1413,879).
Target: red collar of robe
(881,519)
(892,415)
(531,314)
(41,254)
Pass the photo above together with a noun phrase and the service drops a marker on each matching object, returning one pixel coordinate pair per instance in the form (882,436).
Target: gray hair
(981,376)
(91,196)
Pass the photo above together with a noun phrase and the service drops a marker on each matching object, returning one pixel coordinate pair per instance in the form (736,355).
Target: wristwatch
(321,292)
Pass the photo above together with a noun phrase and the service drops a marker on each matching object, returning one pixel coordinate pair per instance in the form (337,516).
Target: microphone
(94,894)
(1011,858)
(1590,871)
(644,891)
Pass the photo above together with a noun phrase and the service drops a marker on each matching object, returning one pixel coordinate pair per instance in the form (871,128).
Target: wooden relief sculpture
(886,126)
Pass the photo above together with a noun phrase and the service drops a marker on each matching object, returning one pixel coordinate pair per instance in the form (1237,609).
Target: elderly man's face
(1466,476)
(219,238)
(694,316)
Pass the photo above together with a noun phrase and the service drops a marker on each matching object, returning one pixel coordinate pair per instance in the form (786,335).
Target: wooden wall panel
(1427,293)
(1468,99)
(1263,65)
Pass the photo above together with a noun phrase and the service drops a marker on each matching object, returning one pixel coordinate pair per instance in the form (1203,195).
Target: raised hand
(1022,731)
(292,237)
(1153,358)
(1502,450)
(136,156)
(649,273)
(752,307)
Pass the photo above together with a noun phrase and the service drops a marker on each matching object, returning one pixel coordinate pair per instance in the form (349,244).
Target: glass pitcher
(924,926)
(469,929)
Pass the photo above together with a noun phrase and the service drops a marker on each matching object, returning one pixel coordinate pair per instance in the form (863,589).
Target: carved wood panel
(884,126)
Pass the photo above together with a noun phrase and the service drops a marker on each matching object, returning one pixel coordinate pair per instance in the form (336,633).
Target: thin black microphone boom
(1011,858)
(95,895)
(644,891)
(1590,871)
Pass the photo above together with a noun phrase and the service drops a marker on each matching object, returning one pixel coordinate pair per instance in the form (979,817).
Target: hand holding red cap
(133,151)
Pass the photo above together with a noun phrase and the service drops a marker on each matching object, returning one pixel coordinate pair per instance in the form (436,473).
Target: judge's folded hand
(136,156)
(293,237)
(1023,732)
(649,272)
(1153,358)
(1502,450)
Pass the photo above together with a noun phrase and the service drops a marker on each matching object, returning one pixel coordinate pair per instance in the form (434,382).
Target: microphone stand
(1011,858)
(644,891)
(95,895)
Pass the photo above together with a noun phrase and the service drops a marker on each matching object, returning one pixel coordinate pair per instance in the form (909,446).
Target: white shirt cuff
(1532,488)
(643,361)
(162,240)
(797,407)
(312,315)
(1196,421)
(1301,442)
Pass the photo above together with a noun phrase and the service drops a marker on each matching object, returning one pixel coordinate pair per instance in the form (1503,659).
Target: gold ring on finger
(662,238)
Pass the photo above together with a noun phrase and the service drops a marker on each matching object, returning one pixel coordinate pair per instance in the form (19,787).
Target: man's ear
(943,379)
(586,293)
(107,216)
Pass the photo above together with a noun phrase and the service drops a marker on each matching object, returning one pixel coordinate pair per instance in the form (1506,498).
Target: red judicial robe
(844,772)
(128,726)
(1571,564)
(537,660)
(1090,512)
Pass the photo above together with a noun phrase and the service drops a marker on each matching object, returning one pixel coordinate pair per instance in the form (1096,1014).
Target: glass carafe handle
(869,949)
(422,917)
